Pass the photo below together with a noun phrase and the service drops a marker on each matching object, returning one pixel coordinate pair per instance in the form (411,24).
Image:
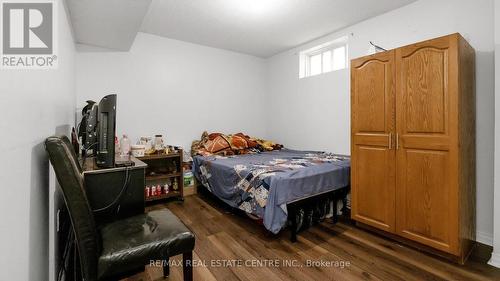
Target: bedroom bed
(271,184)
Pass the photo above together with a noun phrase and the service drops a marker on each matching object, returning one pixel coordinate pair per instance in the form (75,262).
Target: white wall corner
(484,238)
(495,256)
(495,259)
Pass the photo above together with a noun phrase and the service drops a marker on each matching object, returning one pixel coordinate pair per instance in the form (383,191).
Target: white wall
(313,113)
(495,258)
(35,104)
(161,79)
(177,89)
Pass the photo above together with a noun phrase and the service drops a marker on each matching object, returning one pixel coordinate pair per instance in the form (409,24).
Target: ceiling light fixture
(256,7)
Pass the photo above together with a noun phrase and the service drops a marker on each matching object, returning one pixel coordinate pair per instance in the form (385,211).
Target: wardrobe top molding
(357,62)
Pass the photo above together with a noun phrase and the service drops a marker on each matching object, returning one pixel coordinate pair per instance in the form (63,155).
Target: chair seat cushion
(132,242)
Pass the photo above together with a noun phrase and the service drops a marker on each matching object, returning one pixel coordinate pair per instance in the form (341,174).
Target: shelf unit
(161,177)
(164,169)
(160,156)
(163,196)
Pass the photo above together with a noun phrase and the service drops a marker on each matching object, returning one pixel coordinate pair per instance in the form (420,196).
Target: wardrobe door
(372,153)
(426,143)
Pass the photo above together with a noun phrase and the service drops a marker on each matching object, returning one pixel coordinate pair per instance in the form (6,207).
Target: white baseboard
(484,238)
(495,259)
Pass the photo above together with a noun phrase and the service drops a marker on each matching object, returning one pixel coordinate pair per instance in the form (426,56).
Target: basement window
(323,58)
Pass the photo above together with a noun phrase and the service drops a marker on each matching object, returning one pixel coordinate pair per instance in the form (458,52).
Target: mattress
(263,183)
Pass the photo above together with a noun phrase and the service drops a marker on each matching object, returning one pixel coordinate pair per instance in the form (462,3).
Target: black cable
(78,128)
(118,198)
(84,154)
(90,146)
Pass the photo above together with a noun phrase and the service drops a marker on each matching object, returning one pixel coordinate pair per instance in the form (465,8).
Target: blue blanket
(263,183)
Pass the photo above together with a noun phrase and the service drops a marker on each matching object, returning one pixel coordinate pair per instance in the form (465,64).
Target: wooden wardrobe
(413,169)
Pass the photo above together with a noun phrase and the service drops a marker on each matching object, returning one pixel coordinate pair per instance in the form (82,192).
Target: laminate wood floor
(233,247)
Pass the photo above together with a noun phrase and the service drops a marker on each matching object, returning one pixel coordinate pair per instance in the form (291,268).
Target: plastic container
(159,143)
(188,178)
(137,150)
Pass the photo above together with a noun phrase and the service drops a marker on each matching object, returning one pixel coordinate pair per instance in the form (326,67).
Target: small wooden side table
(164,169)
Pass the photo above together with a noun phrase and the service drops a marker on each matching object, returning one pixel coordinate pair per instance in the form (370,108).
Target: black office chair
(112,251)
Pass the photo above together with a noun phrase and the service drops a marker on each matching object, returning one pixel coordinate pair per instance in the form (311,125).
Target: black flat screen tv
(106,131)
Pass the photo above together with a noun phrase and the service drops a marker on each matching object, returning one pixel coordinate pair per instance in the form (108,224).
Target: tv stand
(103,185)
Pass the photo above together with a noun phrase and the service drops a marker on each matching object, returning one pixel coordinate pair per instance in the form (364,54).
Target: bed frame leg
(336,197)
(344,201)
(335,217)
(293,215)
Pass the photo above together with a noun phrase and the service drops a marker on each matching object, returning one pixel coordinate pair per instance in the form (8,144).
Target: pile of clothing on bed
(235,144)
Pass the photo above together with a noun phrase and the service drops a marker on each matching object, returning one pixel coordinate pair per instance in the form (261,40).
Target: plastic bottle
(117,145)
(175,186)
(125,146)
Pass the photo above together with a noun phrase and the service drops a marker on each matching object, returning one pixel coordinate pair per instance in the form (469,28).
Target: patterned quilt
(261,184)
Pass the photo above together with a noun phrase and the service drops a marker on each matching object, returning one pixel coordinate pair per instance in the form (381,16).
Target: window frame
(305,57)
(308,62)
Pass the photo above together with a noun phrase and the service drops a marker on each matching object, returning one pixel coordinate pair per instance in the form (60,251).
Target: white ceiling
(256,27)
(109,24)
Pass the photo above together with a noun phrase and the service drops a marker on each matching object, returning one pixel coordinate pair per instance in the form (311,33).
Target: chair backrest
(72,153)
(70,178)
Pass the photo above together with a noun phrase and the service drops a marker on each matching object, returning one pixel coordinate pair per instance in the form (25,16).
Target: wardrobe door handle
(397,141)
(390,141)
